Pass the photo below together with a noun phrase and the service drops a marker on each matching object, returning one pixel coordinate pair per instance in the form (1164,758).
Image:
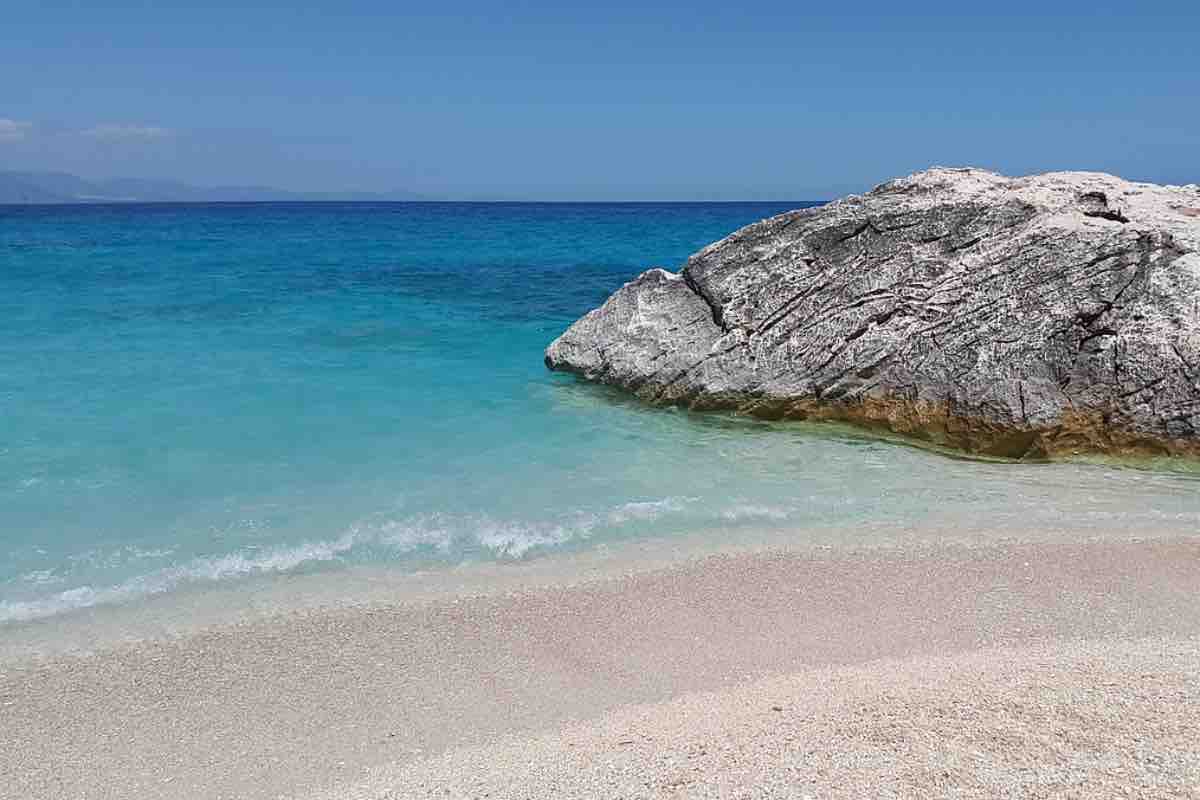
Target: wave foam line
(234,565)
(443,533)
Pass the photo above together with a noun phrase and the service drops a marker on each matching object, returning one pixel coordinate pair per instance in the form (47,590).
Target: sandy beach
(1012,670)
(581,401)
(1057,719)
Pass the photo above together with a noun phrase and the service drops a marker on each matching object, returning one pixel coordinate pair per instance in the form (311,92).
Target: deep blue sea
(198,394)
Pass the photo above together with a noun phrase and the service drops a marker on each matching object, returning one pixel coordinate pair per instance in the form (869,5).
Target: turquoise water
(193,395)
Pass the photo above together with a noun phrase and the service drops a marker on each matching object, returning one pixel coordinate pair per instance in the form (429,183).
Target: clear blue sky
(597,100)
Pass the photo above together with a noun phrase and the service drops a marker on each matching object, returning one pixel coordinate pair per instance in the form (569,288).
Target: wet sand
(863,653)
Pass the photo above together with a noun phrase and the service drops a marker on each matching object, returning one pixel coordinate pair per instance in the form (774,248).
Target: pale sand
(1022,670)
(1063,719)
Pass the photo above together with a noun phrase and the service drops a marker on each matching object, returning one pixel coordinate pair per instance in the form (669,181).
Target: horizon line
(101,203)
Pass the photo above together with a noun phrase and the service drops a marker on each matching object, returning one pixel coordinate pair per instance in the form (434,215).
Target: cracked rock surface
(1018,317)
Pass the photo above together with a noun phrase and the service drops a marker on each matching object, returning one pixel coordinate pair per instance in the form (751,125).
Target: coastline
(196,609)
(340,701)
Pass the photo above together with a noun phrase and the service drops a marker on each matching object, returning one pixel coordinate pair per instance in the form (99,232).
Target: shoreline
(310,701)
(198,608)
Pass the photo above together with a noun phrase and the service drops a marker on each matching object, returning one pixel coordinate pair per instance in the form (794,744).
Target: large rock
(1020,317)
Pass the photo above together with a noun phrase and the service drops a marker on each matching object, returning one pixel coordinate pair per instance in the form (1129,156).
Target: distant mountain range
(57,187)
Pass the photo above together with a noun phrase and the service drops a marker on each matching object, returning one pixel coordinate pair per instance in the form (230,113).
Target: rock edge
(1033,317)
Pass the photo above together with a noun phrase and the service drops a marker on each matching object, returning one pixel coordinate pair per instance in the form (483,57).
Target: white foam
(220,568)
(509,540)
(404,536)
(443,533)
(502,538)
(648,509)
(741,512)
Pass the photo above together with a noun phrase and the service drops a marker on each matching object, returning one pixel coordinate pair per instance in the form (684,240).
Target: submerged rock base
(1034,317)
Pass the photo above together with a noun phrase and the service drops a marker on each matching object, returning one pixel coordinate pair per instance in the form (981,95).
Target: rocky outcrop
(1017,317)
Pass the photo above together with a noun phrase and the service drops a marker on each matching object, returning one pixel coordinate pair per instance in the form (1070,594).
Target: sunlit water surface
(193,396)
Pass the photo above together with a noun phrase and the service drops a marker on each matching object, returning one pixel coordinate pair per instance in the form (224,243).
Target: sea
(197,396)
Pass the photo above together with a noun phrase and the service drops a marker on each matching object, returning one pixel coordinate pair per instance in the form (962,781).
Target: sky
(609,100)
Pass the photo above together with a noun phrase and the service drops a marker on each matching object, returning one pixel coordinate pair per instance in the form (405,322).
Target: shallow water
(196,395)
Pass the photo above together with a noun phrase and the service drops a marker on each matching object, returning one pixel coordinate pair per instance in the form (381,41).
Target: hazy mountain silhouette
(58,187)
